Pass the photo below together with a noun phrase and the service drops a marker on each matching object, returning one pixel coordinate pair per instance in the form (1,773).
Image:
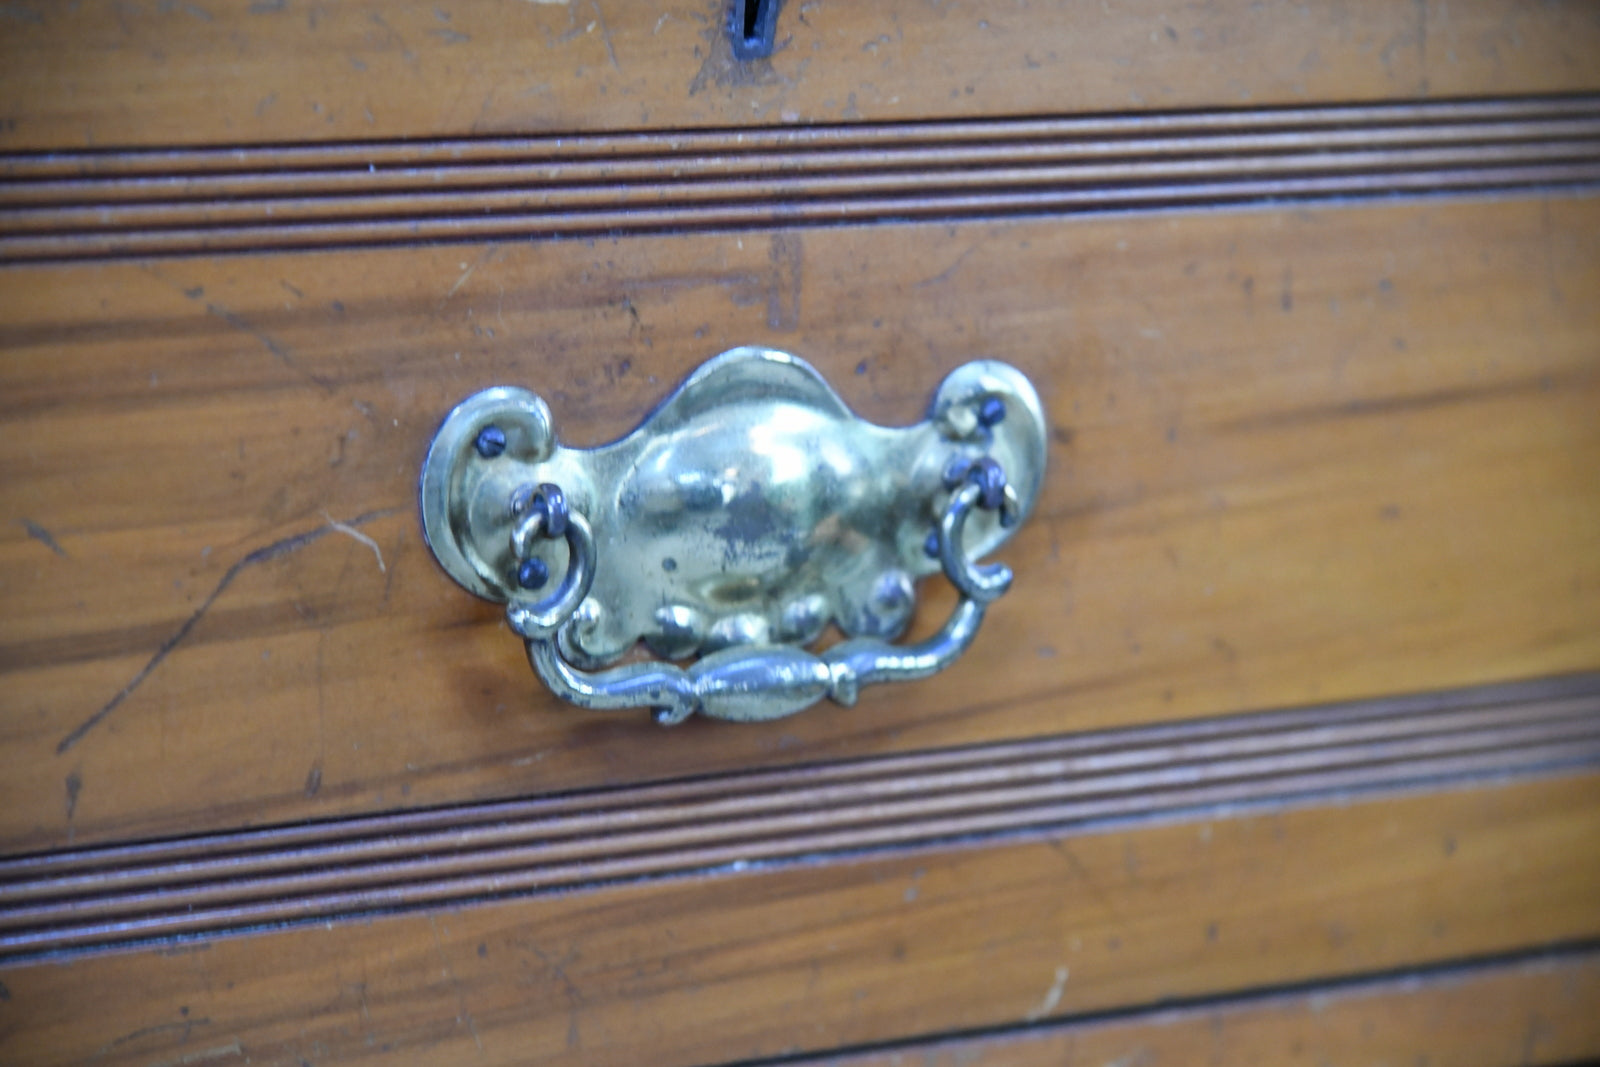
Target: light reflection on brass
(749,510)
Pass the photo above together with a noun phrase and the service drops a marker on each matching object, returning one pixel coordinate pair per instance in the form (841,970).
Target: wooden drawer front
(108,73)
(765,963)
(1299,456)
(1290,724)
(1532,1011)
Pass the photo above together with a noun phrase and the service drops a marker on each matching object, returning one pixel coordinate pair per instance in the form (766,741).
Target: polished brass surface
(747,512)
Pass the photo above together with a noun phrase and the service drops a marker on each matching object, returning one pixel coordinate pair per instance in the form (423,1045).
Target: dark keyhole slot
(752,25)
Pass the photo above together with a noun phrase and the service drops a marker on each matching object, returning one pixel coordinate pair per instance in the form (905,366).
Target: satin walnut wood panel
(1298,456)
(1527,1012)
(766,963)
(104,73)
(215,885)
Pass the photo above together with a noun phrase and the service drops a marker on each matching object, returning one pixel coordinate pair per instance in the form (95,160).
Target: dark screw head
(532,573)
(931,545)
(491,442)
(955,472)
(992,411)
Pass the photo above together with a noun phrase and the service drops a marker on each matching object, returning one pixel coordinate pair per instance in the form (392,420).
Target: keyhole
(752,25)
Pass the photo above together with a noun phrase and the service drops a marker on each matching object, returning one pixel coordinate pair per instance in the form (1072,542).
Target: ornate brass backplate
(747,512)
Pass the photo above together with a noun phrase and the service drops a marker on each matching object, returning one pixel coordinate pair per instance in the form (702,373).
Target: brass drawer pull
(746,513)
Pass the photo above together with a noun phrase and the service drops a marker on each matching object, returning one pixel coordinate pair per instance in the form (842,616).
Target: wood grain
(273,790)
(210,885)
(810,958)
(172,202)
(1300,456)
(101,73)
(1488,1015)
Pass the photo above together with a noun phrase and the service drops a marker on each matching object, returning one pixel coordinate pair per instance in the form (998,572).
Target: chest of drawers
(1282,746)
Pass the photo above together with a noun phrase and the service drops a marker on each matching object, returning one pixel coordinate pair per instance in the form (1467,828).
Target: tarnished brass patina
(747,512)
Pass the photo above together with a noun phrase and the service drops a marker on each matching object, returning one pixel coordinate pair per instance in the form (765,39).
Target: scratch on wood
(1052,997)
(783,287)
(463,1016)
(945,274)
(744,288)
(231,1049)
(261,555)
(1064,850)
(605,35)
(192,10)
(351,531)
(393,39)
(20,14)
(483,257)
(43,536)
(558,968)
(1382,406)
(74,787)
(186,1025)
(279,351)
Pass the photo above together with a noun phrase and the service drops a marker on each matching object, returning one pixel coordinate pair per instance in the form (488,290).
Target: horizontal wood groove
(88,204)
(93,899)
(1557,977)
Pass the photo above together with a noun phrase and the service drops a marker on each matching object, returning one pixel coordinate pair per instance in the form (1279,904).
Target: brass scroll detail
(747,512)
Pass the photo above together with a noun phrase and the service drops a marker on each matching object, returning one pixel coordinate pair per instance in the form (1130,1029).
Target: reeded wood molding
(1532,1008)
(215,884)
(87,204)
